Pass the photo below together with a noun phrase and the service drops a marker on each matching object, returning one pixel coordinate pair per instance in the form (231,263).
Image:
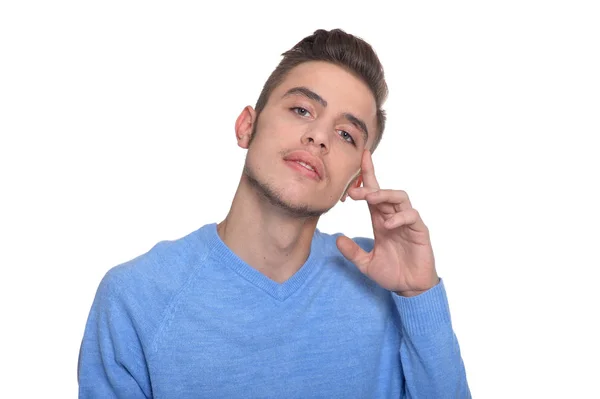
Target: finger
(368,171)
(410,218)
(398,198)
(362,193)
(359,193)
(353,253)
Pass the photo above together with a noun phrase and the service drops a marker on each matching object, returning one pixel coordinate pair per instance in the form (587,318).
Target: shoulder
(336,261)
(164,268)
(140,292)
(348,281)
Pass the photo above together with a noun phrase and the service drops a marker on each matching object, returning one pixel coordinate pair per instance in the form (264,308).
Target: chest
(313,346)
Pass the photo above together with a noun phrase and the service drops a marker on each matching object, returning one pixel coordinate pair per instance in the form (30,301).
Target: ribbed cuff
(426,312)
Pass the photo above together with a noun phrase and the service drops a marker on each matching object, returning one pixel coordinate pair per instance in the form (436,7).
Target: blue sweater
(189,319)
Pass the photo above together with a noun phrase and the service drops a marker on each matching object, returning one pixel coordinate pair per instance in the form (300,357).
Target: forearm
(429,350)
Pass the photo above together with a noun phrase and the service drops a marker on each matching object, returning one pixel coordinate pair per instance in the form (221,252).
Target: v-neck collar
(279,291)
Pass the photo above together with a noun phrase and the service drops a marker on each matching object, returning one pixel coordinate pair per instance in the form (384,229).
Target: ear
(355,182)
(244,126)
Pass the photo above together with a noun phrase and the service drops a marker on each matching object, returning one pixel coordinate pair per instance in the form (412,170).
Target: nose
(317,137)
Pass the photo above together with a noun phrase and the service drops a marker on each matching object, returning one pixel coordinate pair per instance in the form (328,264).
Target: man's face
(309,139)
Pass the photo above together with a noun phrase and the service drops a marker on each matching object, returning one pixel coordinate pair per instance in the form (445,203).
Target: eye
(300,111)
(346,136)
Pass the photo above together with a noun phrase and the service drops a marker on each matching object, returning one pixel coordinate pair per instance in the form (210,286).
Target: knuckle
(400,195)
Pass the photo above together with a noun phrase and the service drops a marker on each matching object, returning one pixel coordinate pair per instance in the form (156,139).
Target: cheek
(352,180)
(274,134)
(344,163)
(342,183)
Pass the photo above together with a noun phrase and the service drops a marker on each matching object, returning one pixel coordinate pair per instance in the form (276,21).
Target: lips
(309,161)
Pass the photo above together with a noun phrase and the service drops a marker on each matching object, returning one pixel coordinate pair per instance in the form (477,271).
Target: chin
(293,199)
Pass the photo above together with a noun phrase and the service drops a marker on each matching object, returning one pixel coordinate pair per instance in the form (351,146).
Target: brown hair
(342,49)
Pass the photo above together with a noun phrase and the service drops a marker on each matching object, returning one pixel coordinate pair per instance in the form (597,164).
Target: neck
(264,236)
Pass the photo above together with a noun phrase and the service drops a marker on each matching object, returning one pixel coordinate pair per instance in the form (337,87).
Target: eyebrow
(306,92)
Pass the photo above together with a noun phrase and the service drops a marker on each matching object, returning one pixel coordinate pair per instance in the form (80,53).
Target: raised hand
(402,257)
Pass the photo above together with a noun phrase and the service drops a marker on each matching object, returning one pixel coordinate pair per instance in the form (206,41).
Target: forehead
(342,90)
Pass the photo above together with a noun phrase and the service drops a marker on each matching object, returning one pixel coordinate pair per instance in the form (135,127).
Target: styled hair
(339,48)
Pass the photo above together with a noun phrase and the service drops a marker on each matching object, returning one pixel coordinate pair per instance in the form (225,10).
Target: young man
(263,304)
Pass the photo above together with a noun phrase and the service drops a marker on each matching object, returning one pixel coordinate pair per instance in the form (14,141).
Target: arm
(429,351)
(111,360)
(401,260)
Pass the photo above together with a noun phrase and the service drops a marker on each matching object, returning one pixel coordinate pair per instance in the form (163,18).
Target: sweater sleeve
(429,351)
(111,359)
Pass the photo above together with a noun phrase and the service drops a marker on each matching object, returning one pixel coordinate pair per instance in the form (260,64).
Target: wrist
(412,293)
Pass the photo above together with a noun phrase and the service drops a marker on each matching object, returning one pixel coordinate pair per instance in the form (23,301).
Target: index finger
(368,171)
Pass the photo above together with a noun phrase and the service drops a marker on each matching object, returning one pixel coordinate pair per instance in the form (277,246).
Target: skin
(326,111)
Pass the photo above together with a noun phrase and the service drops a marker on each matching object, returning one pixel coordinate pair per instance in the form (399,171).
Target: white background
(116,122)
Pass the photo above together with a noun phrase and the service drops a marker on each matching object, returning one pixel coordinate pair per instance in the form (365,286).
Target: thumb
(353,253)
